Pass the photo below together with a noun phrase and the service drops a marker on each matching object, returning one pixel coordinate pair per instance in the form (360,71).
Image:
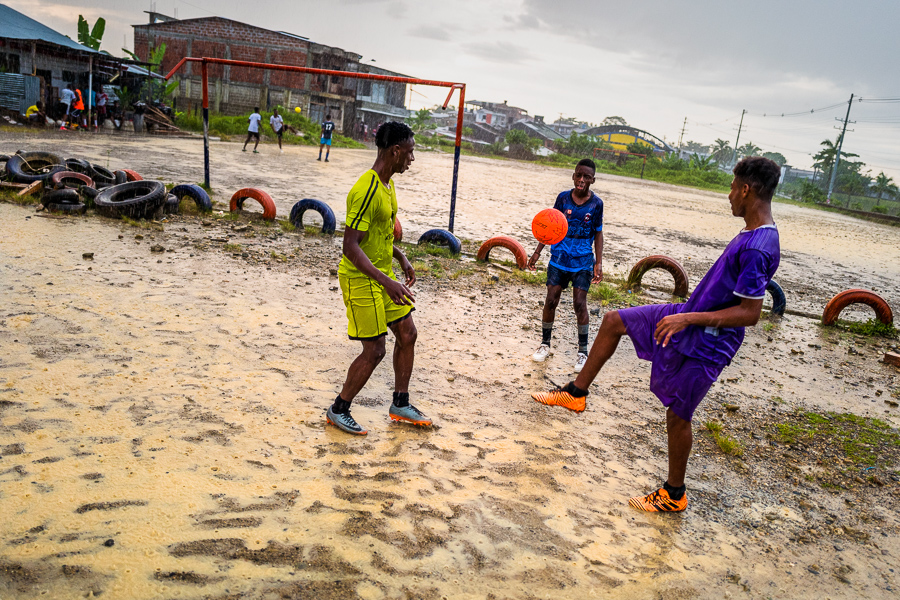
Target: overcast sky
(653,62)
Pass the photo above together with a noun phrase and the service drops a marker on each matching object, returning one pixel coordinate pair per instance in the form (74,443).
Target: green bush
(227,126)
(882,210)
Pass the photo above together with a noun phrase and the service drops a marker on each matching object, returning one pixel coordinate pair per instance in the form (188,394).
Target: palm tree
(884,184)
(825,157)
(721,151)
(749,149)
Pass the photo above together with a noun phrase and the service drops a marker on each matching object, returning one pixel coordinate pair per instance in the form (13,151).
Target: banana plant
(91,36)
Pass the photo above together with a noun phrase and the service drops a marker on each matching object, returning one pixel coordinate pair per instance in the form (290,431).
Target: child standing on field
(573,260)
(253,130)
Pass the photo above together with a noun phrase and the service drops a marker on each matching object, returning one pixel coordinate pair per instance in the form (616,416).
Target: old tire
(841,301)
(71,179)
(660,262)
(28,167)
(121,177)
(328,220)
(88,194)
(60,196)
(779,302)
(441,237)
(76,165)
(195,193)
(398,230)
(71,209)
(101,174)
(504,242)
(132,175)
(237,201)
(135,199)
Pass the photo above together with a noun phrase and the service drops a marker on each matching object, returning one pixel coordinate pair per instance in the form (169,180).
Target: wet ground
(162,432)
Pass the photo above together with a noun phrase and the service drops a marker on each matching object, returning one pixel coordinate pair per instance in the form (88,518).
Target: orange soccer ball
(549,226)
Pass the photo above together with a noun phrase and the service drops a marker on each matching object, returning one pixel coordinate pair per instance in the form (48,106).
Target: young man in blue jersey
(689,344)
(327,131)
(573,260)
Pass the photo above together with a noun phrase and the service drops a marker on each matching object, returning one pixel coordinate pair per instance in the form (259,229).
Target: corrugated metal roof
(16,26)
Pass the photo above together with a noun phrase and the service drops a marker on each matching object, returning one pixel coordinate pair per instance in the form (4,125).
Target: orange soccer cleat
(659,501)
(563,396)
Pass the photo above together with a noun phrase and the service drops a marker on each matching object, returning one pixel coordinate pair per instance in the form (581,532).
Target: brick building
(236,90)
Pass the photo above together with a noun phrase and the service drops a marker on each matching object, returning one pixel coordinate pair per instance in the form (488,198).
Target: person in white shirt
(66,98)
(277,123)
(253,130)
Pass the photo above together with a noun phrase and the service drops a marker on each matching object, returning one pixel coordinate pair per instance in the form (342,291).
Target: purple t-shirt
(743,271)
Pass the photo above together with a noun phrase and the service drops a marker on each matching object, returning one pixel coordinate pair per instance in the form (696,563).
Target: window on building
(9,63)
(365,87)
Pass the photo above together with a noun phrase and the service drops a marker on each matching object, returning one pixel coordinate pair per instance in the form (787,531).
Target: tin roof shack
(538,129)
(380,101)
(236,90)
(38,62)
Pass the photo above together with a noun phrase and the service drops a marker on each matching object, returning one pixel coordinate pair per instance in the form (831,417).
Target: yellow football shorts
(370,311)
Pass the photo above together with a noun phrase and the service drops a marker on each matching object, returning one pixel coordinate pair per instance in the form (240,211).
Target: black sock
(574,390)
(546,332)
(401,399)
(675,493)
(340,406)
(583,338)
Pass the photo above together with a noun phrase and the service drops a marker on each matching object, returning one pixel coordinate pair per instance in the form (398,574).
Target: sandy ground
(162,431)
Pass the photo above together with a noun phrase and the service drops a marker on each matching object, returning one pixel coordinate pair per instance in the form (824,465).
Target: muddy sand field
(162,412)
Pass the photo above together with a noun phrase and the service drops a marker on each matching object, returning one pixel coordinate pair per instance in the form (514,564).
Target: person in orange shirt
(78,108)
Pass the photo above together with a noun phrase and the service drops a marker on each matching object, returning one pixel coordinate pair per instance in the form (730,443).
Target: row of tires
(830,315)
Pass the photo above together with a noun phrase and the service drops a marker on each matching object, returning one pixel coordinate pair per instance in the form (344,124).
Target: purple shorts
(680,382)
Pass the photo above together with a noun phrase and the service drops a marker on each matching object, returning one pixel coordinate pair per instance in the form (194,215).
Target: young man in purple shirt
(689,344)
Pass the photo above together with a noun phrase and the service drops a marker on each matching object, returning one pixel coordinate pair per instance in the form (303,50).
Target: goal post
(204,72)
(619,157)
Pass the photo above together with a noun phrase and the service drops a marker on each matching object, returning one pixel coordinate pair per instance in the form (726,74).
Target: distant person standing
(253,130)
(102,100)
(327,130)
(66,97)
(77,111)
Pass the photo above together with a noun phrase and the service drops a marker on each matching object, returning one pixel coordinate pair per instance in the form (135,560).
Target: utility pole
(837,154)
(680,137)
(734,152)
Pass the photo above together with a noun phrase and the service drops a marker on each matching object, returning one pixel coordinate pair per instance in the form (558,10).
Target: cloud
(501,52)
(432,32)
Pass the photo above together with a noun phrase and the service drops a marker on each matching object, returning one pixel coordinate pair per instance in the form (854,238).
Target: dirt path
(162,431)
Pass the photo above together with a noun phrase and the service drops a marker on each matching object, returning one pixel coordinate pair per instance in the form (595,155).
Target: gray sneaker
(408,413)
(344,421)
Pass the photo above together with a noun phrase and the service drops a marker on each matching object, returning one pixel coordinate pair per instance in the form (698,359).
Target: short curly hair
(761,174)
(392,133)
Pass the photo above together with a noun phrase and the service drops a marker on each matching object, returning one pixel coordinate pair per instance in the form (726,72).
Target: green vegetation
(611,292)
(726,444)
(531,277)
(872,327)
(227,127)
(12,196)
(286,226)
(419,250)
(863,440)
(142,223)
(232,247)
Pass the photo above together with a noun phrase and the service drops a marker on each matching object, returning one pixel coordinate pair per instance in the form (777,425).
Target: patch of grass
(726,444)
(872,327)
(207,188)
(437,269)
(531,277)
(609,293)
(776,400)
(314,230)
(142,224)
(860,438)
(12,196)
(419,250)
(287,226)
(232,247)
(465,272)
(228,216)
(768,327)
(279,257)
(420,267)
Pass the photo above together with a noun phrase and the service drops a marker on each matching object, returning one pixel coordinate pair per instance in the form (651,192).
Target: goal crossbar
(204,73)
